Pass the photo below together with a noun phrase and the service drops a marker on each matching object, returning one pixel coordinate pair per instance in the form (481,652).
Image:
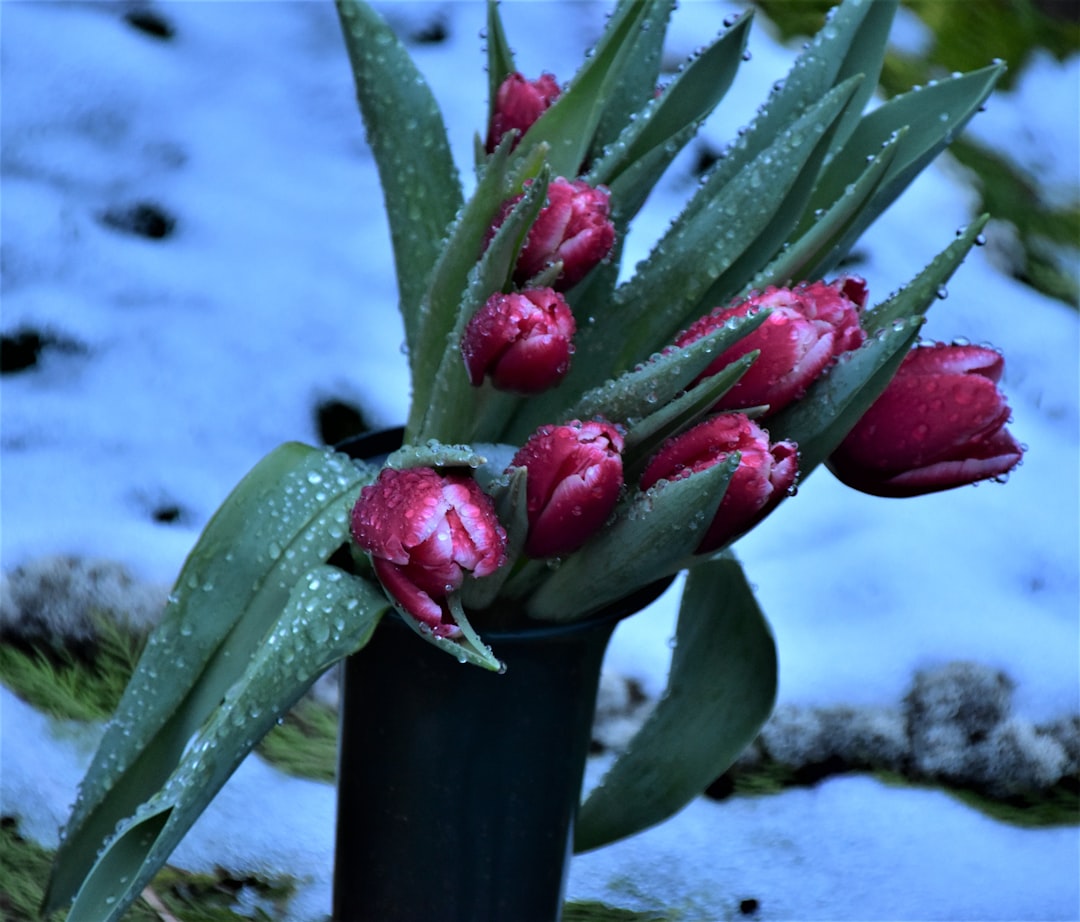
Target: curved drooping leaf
(835,402)
(408,138)
(720,691)
(287,515)
(329,615)
(652,536)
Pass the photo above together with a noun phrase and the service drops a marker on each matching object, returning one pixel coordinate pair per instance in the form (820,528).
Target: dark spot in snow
(168,514)
(434,33)
(23,348)
(143,219)
(146,20)
(748,906)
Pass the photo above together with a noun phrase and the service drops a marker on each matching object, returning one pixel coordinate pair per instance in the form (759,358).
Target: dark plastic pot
(458,787)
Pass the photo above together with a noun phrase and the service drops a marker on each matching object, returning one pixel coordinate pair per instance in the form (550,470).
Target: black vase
(458,787)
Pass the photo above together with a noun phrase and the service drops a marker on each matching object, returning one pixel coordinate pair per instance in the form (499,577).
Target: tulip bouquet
(578,432)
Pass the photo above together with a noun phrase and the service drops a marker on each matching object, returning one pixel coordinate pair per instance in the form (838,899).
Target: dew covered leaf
(441,300)
(660,127)
(287,515)
(408,138)
(641,391)
(653,536)
(931,116)
(720,691)
(569,125)
(329,615)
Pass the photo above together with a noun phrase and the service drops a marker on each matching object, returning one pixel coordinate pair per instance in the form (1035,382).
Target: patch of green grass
(68,685)
(304,744)
(24,869)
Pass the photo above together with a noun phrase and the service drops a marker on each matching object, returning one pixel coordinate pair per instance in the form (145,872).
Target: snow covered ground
(173,364)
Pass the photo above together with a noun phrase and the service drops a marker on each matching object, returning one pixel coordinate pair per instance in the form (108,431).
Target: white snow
(198,354)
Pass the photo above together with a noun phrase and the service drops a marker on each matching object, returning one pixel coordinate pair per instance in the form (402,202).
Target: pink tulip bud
(764,475)
(523,340)
(939,424)
(574,477)
(810,325)
(424,532)
(572,227)
(519,103)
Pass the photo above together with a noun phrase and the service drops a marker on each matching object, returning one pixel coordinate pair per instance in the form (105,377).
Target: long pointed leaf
(328,616)
(569,126)
(661,124)
(287,515)
(720,691)
(406,132)
(932,116)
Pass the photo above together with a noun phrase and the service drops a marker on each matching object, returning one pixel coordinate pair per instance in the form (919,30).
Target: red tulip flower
(424,532)
(574,477)
(522,340)
(939,424)
(573,227)
(519,103)
(764,476)
(809,326)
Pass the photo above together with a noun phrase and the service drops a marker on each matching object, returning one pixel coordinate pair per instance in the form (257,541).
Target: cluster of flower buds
(523,340)
(940,423)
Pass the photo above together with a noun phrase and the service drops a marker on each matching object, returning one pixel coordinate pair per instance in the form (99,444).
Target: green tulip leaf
(721,690)
(287,515)
(661,125)
(408,138)
(835,402)
(722,228)
(654,534)
(848,46)
(441,300)
(569,125)
(804,259)
(329,615)
(500,57)
(932,117)
(639,78)
(647,435)
(639,393)
(434,454)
